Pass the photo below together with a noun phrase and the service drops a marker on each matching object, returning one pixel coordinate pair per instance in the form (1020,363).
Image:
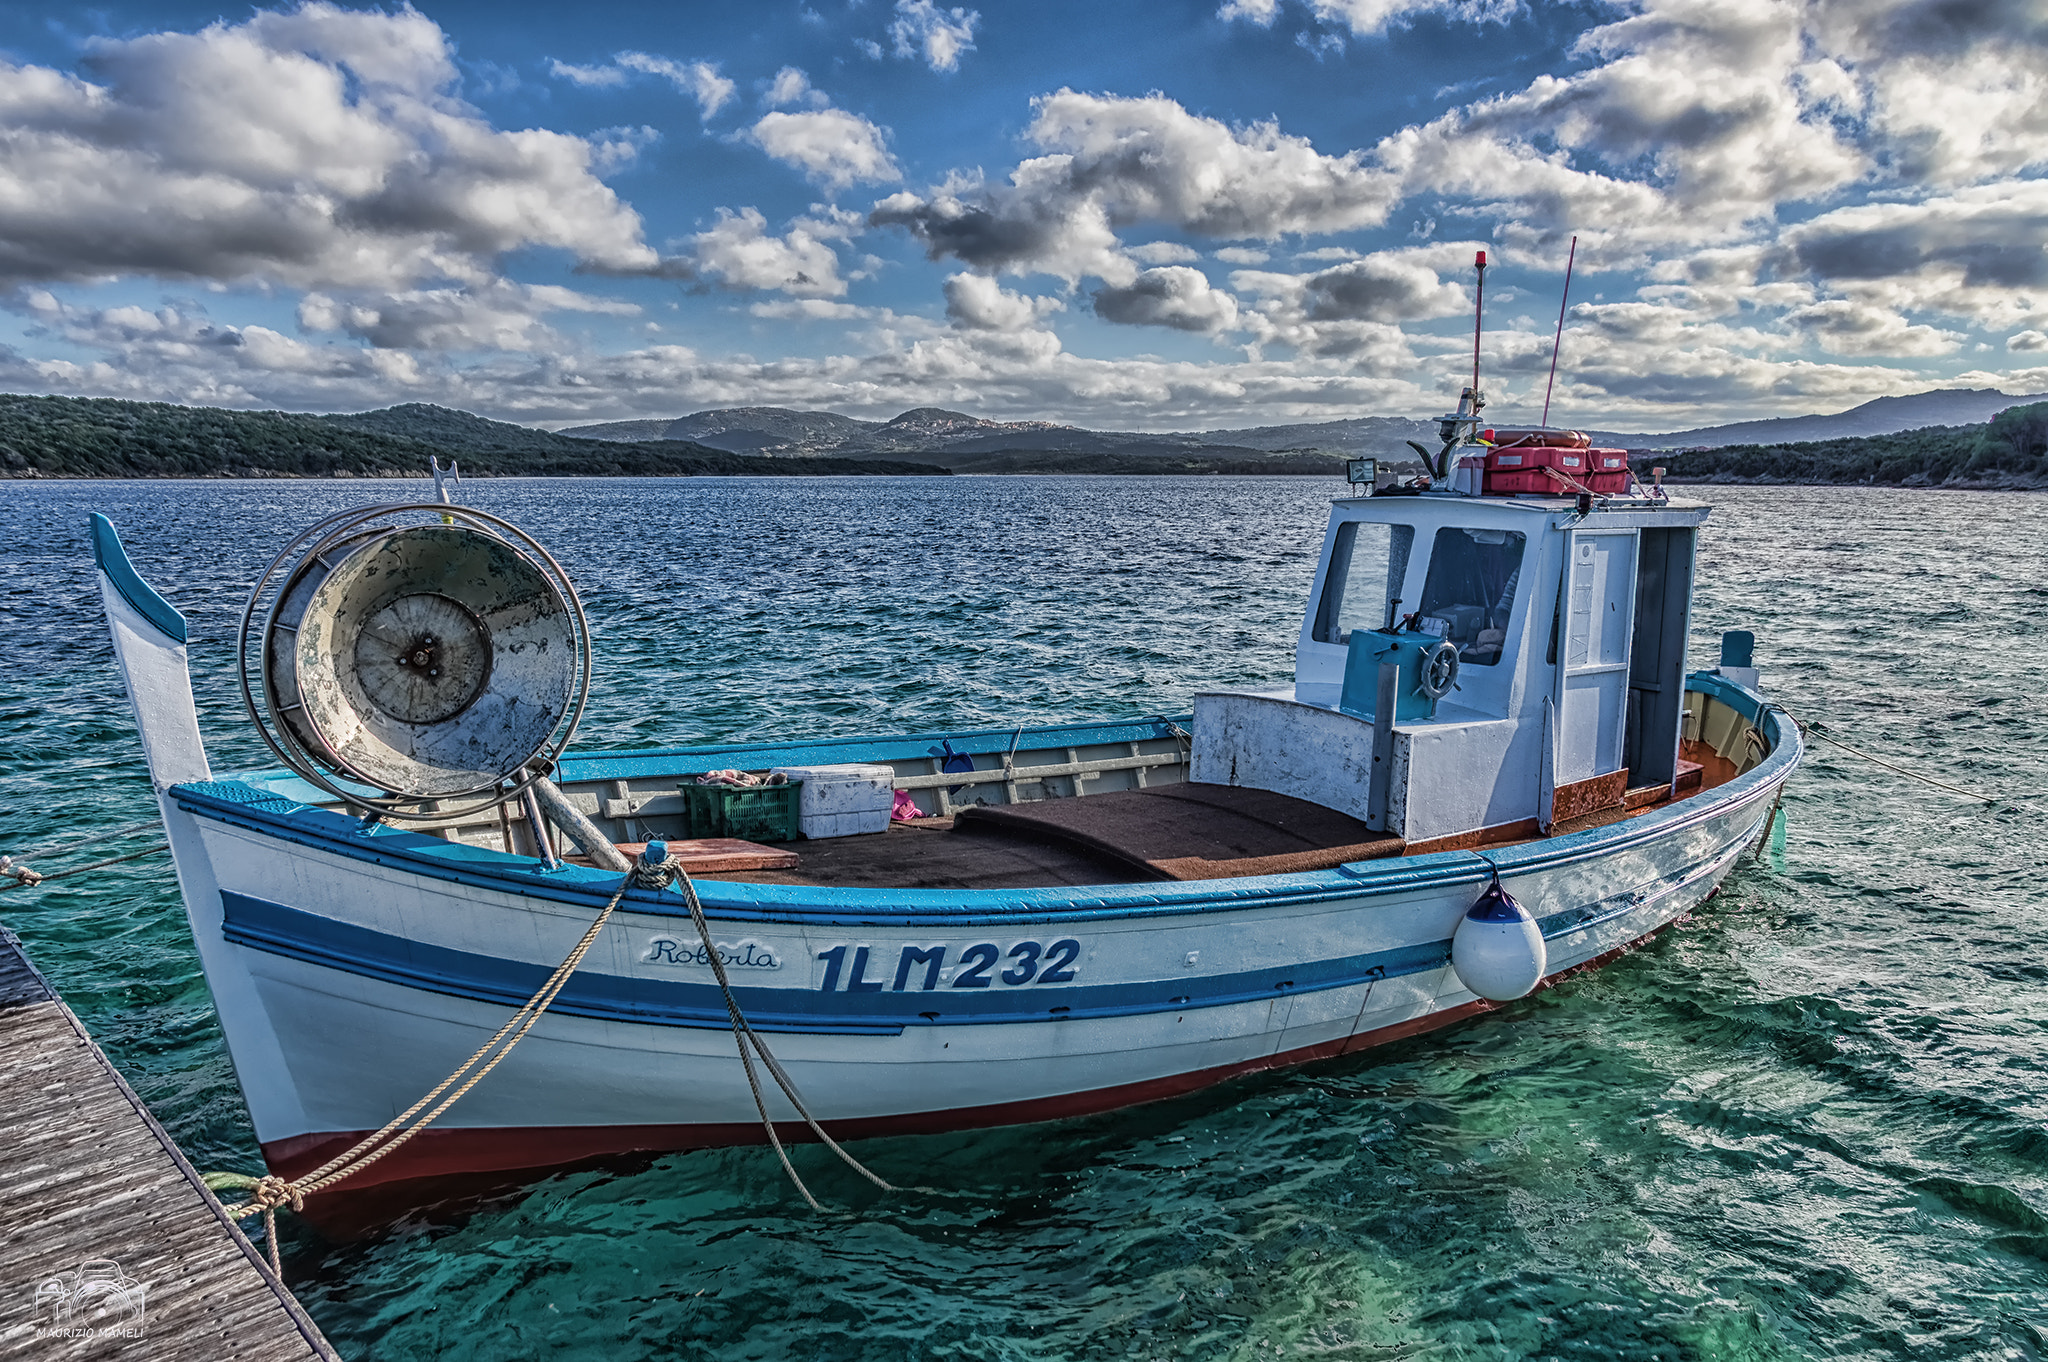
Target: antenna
(1465,420)
(1558,339)
(1478,311)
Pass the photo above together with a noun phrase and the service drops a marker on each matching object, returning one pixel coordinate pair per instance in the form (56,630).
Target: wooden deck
(113,1247)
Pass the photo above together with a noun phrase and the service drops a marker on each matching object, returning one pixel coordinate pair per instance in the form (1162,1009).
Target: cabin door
(1656,669)
(1593,651)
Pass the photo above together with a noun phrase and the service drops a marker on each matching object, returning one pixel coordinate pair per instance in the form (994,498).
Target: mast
(1558,339)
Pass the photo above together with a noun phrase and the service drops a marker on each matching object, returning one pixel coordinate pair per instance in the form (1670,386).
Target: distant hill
(624,431)
(2009,451)
(958,439)
(74,437)
(928,431)
(1357,436)
(747,430)
(1884,416)
(446,428)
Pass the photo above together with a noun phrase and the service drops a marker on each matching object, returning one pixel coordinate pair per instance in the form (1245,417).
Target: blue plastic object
(1371,647)
(654,853)
(1738,647)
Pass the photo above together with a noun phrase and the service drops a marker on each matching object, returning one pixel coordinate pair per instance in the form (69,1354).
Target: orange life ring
(1539,438)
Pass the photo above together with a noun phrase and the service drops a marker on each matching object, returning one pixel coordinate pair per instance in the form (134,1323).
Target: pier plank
(114,1248)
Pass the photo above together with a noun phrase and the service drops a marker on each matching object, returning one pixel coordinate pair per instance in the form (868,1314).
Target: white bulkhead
(1570,633)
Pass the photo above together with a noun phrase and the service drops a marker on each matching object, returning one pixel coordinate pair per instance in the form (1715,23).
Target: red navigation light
(1481,261)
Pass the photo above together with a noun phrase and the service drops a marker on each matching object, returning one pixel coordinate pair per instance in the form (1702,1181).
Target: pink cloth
(906,808)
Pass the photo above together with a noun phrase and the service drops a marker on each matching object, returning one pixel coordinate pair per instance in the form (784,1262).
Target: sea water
(1812,1121)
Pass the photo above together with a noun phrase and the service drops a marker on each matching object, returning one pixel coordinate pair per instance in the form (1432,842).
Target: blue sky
(1141,215)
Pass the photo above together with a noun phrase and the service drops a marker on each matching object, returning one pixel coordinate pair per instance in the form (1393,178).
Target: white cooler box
(839,801)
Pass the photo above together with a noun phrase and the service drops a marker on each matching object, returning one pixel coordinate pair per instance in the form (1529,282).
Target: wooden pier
(113,1248)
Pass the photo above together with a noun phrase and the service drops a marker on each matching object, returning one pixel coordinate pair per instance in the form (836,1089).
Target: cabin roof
(1437,506)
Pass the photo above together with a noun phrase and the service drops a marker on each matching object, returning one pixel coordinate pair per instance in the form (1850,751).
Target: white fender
(1497,950)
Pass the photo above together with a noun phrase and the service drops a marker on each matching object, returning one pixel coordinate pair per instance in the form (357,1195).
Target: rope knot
(272,1192)
(21,873)
(654,868)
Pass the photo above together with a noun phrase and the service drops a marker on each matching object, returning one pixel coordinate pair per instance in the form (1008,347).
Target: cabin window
(1367,565)
(1470,591)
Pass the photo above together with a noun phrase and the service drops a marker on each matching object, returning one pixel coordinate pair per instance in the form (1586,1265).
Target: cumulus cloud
(1975,254)
(1845,327)
(320,147)
(1687,128)
(1172,295)
(1367,17)
(700,80)
(1955,92)
(935,36)
(739,252)
(1391,286)
(978,303)
(1989,235)
(1113,162)
(178,353)
(832,147)
(500,315)
(815,310)
(589,77)
(2026,341)
(1163,253)
(1356,308)
(792,86)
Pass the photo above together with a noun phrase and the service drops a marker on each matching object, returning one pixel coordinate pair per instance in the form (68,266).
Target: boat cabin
(1475,667)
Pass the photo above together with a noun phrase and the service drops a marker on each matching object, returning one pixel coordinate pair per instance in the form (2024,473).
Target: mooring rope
(64,849)
(268,1194)
(1815,728)
(744,1034)
(24,878)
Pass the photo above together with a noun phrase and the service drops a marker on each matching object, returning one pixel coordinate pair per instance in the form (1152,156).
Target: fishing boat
(1492,768)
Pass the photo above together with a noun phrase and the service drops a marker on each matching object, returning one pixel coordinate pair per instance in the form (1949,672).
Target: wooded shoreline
(107,438)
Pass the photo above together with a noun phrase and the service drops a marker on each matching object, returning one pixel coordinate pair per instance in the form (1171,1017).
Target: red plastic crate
(1607,471)
(1551,471)
(1534,468)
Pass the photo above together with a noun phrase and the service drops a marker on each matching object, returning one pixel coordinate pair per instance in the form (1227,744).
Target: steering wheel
(1439,669)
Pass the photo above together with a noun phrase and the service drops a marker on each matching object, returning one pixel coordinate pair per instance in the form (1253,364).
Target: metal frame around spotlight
(277,735)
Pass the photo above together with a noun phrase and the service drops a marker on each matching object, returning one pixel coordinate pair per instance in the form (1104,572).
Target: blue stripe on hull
(290,932)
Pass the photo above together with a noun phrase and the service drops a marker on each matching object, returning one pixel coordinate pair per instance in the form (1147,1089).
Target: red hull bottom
(454,1167)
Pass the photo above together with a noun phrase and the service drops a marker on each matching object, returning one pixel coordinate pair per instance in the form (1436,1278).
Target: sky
(1141,215)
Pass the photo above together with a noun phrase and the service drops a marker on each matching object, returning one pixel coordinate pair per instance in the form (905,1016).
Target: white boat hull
(348,987)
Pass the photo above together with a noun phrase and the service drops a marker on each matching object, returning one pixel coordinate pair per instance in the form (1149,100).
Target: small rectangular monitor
(1362,473)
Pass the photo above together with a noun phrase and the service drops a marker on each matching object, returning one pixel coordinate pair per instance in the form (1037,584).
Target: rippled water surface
(1812,1122)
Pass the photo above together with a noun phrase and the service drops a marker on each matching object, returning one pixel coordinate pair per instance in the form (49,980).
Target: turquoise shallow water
(1812,1122)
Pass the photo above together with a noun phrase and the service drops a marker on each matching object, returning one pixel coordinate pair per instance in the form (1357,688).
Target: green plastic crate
(752,813)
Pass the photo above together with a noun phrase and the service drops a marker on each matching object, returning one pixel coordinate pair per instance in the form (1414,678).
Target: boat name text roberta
(668,950)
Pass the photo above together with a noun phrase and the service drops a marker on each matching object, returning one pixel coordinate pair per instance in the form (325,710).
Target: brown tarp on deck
(1191,831)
